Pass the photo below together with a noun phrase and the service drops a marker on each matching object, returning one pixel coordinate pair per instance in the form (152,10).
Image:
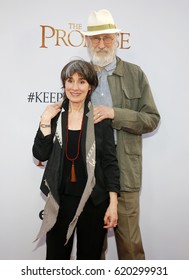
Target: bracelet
(44,125)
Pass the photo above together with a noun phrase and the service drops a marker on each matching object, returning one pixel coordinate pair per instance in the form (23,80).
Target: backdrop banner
(37,39)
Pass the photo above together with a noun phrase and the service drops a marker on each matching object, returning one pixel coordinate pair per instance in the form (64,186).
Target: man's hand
(103,112)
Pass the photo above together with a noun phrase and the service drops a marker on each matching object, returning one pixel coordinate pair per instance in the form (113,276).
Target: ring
(98,115)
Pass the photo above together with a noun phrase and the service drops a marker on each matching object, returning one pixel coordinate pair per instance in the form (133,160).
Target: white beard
(102,57)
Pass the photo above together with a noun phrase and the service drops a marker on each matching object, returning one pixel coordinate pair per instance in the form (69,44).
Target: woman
(81,178)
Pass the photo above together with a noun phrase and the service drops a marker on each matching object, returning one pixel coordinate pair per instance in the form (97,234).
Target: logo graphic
(44,97)
(41,213)
(72,37)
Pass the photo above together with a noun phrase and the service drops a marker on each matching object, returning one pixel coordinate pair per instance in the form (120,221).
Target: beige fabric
(49,216)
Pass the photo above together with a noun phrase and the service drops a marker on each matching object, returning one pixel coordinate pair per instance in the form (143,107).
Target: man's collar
(111,66)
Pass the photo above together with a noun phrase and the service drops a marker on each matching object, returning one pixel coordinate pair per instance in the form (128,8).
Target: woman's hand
(111,216)
(50,112)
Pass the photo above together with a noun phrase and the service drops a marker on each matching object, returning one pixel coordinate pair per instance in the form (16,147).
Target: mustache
(102,50)
(105,51)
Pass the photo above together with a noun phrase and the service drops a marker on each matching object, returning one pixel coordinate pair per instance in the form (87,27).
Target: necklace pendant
(73,175)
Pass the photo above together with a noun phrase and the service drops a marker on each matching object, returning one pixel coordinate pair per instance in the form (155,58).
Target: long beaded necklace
(73,174)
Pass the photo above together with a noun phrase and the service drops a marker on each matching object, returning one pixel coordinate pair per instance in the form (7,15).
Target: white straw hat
(100,22)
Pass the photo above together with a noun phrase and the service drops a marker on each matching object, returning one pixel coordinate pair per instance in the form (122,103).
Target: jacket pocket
(133,144)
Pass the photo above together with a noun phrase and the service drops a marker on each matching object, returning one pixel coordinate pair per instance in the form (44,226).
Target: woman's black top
(68,187)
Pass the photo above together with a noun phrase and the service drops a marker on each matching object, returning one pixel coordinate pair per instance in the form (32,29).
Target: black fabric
(90,231)
(68,187)
(106,168)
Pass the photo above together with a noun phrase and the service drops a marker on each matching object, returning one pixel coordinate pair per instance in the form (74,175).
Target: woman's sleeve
(43,145)
(109,159)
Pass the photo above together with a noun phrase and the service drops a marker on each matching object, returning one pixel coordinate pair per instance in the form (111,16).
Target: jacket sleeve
(109,159)
(138,114)
(43,145)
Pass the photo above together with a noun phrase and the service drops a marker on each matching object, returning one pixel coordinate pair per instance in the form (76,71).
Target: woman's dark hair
(82,68)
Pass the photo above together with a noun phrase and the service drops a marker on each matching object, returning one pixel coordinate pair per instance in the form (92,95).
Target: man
(125,97)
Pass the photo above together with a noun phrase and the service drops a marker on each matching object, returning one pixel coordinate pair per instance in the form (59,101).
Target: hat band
(101,27)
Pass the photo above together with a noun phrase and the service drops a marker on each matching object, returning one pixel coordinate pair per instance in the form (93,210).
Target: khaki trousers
(127,233)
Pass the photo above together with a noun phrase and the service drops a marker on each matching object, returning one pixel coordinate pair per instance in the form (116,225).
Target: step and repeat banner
(37,39)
